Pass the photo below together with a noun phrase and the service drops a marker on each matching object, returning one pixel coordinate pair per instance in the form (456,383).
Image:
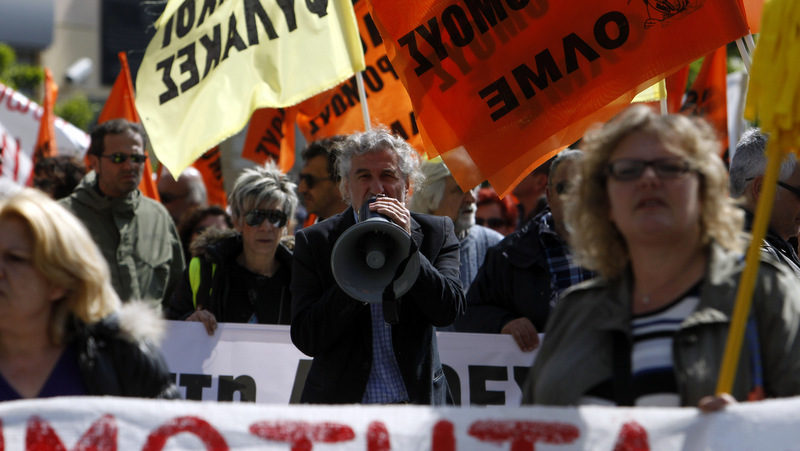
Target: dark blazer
(514,281)
(336,329)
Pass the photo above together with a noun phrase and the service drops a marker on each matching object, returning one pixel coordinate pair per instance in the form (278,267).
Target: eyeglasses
(255,218)
(562,187)
(310,180)
(629,169)
(792,189)
(119,157)
(492,223)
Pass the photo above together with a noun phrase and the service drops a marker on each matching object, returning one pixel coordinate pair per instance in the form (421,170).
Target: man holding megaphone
(370,284)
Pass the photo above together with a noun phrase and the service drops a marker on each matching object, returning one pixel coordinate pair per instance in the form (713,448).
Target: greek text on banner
(210,65)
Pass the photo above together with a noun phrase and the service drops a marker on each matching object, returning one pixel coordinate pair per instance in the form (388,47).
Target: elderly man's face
(457,205)
(374,173)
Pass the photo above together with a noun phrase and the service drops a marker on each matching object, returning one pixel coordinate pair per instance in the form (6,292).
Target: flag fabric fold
(499,86)
(211,65)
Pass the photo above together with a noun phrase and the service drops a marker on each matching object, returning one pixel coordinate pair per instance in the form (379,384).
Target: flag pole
(744,53)
(744,295)
(362,97)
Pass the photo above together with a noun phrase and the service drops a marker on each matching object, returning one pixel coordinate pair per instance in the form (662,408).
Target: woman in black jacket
(63,330)
(242,276)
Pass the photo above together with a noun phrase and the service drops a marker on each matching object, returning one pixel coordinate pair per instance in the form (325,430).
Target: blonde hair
(65,254)
(595,240)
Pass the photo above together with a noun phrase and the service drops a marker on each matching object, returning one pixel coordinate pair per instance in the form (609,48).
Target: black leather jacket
(513,282)
(113,363)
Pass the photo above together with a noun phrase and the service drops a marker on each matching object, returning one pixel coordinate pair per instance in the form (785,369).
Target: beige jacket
(577,352)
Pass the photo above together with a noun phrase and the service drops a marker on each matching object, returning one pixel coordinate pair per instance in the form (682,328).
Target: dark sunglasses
(119,158)
(629,169)
(310,180)
(492,223)
(255,218)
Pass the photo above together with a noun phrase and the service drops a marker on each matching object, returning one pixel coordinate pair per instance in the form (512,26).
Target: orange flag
(676,87)
(46,141)
(708,94)
(120,105)
(211,169)
(338,110)
(754,9)
(499,86)
(270,135)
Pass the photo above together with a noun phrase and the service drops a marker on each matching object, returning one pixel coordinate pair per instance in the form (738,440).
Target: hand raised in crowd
(524,333)
(715,403)
(205,317)
(394,210)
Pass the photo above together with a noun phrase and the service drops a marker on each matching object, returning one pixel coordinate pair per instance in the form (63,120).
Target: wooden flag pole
(745,54)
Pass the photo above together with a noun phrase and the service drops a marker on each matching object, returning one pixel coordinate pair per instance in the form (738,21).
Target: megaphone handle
(390,303)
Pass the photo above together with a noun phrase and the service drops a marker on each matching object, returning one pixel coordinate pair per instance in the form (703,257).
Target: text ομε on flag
(210,65)
(498,86)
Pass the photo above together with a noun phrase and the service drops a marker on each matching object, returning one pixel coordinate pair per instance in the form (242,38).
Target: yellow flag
(211,64)
(654,93)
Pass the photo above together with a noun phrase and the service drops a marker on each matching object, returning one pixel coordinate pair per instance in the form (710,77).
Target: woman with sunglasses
(242,275)
(653,217)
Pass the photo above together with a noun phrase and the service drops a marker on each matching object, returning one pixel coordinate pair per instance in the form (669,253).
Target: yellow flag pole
(744,296)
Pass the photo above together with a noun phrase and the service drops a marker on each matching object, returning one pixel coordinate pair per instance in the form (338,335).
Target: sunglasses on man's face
(255,218)
(492,223)
(119,157)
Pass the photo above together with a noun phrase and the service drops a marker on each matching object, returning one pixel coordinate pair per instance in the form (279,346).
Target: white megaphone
(368,256)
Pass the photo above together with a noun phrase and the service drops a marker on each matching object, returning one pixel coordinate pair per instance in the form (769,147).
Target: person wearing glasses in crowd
(653,217)
(522,277)
(495,213)
(318,182)
(242,275)
(746,178)
(135,233)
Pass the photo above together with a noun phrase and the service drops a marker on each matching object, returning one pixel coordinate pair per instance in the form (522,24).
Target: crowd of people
(624,255)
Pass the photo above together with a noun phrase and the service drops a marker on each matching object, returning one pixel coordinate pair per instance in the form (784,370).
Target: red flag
(120,105)
(708,94)
(46,141)
(497,86)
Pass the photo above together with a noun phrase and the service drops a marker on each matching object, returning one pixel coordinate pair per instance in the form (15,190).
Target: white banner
(19,129)
(130,424)
(259,363)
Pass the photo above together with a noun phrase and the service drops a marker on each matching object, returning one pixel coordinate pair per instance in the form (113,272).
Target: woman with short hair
(243,275)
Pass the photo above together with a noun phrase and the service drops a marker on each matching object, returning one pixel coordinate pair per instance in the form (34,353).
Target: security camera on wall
(79,71)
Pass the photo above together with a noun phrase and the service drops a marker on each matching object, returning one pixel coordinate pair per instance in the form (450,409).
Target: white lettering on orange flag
(210,65)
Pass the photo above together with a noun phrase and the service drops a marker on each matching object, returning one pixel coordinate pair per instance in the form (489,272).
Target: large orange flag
(120,105)
(708,95)
(499,86)
(338,110)
(46,141)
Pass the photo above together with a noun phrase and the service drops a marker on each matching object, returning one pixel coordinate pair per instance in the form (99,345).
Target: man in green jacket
(135,233)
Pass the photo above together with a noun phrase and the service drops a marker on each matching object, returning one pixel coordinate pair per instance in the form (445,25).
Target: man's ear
(94,161)
(754,189)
